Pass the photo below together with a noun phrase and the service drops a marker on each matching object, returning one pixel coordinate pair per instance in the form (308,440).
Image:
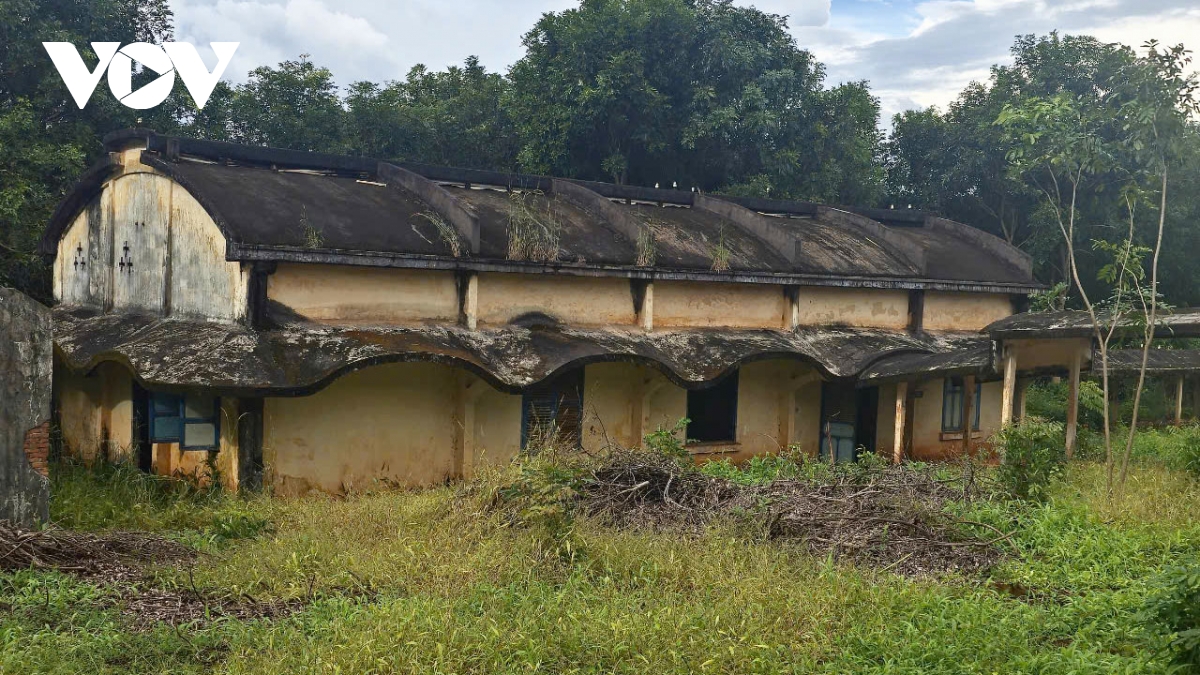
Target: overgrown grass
(119,497)
(455,587)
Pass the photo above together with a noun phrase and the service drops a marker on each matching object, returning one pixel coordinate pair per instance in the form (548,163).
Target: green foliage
(455,588)
(670,442)
(119,496)
(1032,456)
(1048,400)
(1175,607)
(1177,448)
(704,94)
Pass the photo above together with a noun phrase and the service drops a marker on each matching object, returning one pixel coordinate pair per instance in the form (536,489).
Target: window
(552,412)
(713,412)
(952,405)
(192,421)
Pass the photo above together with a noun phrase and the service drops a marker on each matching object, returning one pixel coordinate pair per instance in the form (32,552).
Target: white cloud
(913,56)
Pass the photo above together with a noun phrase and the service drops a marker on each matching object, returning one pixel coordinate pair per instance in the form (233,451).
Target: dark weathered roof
(268,201)
(297,358)
(1078,324)
(1159,361)
(971,356)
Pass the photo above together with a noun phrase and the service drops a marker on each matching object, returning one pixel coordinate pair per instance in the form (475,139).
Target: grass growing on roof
(457,587)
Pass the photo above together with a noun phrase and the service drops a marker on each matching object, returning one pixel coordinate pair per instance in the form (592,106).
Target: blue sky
(914,54)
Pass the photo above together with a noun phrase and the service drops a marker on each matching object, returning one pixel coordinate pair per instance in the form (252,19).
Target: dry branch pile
(119,560)
(892,518)
(116,556)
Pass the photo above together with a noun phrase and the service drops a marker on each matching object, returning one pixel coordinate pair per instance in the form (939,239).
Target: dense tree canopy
(958,162)
(695,93)
(699,93)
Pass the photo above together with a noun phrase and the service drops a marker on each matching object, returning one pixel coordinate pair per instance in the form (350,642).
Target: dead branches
(893,518)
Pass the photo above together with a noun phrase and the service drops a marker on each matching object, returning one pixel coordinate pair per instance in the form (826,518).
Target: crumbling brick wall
(26,366)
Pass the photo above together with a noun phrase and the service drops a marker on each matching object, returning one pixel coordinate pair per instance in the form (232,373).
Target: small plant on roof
(720,254)
(647,247)
(313,237)
(534,229)
(446,232)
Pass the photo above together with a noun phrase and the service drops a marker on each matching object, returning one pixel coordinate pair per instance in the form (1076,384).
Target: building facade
(317,322)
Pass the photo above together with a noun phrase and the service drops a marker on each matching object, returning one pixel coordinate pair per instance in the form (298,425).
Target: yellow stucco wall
(342,294)
(696,304)
(176,250)
(946,311)
(860,307)
(928,443)
(496,438)
(582,301)
(612,401)
(96,412)
(394,422)
(1036,354)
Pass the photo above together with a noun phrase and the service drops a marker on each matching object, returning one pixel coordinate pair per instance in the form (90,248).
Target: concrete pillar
(1073,403)
(646,317)
(1010,386)
(471,302)
(968,413)
(1179,401)
(901,415)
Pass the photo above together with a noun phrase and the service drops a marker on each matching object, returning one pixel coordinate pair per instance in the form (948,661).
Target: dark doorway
(713,412)
(839,421)
(142,450)
(868,418)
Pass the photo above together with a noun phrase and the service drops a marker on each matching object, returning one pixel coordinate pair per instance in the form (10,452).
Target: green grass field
(431,581)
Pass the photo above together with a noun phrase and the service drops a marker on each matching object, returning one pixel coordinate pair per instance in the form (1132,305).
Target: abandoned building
(319,322)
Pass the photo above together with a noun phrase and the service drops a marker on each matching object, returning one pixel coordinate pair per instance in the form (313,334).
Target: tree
(45,139)
(1125,135)
(295,106)
(956,163)
(690,92)
(456,117)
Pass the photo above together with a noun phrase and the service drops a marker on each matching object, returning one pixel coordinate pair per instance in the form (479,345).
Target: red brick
(37,448)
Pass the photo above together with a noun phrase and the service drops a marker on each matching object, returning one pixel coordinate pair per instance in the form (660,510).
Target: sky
(914,54)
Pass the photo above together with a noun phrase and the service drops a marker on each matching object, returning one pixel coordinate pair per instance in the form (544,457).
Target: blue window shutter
(166,418)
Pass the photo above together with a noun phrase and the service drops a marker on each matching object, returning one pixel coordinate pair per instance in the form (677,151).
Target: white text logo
(166,60)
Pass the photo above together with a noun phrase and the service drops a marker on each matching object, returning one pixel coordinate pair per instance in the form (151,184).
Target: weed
(445,230)
(720,254)
(534,228)
(647,248)
(313,237)
(1175,607)
(1032,454)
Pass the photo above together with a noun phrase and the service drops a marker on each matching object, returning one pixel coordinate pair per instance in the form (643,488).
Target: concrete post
(1179,401)
(901,414)
(1010,386)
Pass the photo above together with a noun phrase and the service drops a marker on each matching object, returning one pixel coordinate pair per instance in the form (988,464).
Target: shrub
(1177,448)
(1033,454)
(669,442)
(1176,608)
(1048,400)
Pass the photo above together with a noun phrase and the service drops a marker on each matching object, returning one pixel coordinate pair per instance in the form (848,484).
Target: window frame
(730,385)
(955,388)
(565,391)
(179,403)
